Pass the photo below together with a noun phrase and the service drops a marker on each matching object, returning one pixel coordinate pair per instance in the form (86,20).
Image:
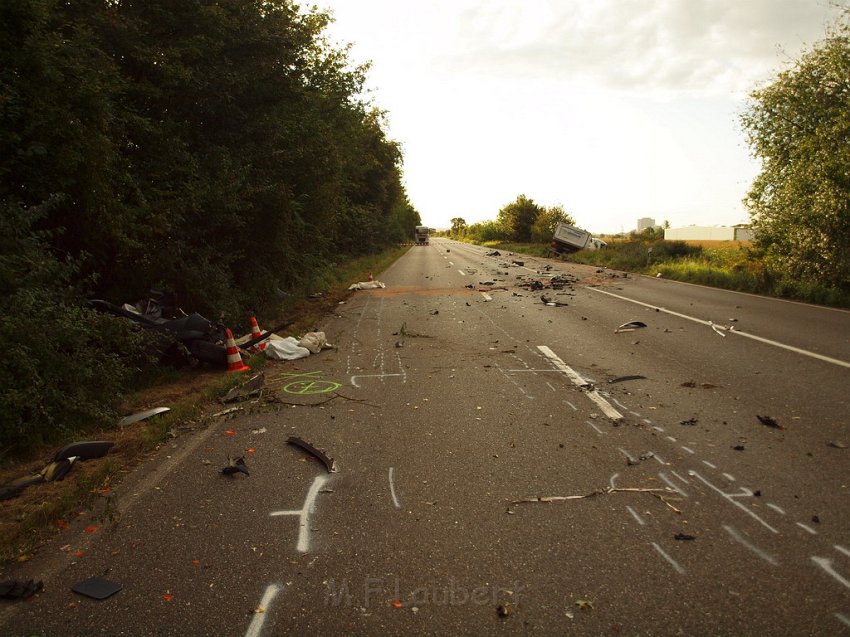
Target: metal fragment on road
(329,462)
(142,415)
(631,326)
(249,388)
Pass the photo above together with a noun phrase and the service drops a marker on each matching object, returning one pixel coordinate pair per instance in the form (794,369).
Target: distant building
(645,222)
(709,233)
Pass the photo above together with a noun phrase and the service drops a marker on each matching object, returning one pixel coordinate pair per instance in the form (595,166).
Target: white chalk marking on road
(637,518)
(629,456)
(392,491)
(260,617)
(611,481)
(571,405)
(841,549)
(462,273)
(775,508)
(671,484)
(619,404)
(729,477)
(451,262)
(670,560)
(767,341)
(578,381)
(843,619)
(551,386)
(658,459)
(670,438)
(656,427)
(685,480)
(688,449)
(486,296)
(731,498)
(381,376)
(708,464)
(826,564)
(740,539)
(304,514)
(401,367)
(598,430)
(807,529)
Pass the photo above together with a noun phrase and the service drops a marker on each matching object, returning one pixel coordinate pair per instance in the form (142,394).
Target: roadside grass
(33,517)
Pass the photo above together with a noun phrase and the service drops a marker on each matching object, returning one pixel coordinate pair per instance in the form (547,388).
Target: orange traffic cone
(255,332)
(234,360)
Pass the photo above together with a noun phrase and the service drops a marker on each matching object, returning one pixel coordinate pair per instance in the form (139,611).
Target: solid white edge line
(259,618)
(767,341)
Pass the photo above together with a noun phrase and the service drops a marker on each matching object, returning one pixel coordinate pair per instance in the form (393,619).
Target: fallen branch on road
(605,491)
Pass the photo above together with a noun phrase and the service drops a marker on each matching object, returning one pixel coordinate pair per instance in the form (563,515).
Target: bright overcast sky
(614,109)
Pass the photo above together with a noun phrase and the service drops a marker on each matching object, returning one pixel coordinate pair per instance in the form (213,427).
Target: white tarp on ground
(291,348)
(366,285)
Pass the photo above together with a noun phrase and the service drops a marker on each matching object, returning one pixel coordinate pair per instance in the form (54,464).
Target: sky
(613,109)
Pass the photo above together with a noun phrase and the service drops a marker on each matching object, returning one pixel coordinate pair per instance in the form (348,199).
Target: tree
(799,127)
(518,217)
(546,222)
(458,227)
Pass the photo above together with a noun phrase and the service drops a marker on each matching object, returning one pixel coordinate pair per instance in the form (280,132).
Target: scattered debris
(142,415)
(494,253)
(230,410)
(604,491)
(769,422)
(329,463)
(622,379)
(738,447)
(836,445)
(251,387)
(519,263)
(504,610)
(690,422)
(816,519)
(688,383)
(96,588)
(20,589)
(551,302)
(584,604)
(235,466)
(631,326)
(684,537)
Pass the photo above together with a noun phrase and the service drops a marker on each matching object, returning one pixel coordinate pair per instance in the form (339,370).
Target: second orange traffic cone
(255,332)
(234,360)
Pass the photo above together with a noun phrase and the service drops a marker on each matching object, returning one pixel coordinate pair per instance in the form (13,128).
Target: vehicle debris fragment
(142,415)
(769,422)
(235,466)
(631,326)
(251,387)
(690,422)
(551,302)
(96,588)
(86,450)
(20,589)
(622,379)
(329,462)
(684,537)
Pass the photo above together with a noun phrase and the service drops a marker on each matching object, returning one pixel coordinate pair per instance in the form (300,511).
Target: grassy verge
(41,510)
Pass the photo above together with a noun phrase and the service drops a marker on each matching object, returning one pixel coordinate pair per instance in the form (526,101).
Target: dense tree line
(219,149)
(520,221)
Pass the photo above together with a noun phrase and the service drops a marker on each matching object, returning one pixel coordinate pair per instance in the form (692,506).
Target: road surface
(507,462)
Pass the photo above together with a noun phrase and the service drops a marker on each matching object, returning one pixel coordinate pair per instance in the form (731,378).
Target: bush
(64,367)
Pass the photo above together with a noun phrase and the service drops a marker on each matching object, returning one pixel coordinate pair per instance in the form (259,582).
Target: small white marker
(462,273)
(392,491)
(678,568)
(740,539)
(841,549)
(688,449)
(637,518)
(486,296)
(708,464)
(826,564)
(807,529)
(779,510)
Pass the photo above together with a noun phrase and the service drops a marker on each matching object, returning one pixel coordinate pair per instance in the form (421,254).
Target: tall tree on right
(799,127)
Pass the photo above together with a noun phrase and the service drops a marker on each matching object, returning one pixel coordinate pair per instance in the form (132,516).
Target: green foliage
(459,227)
(547,220)
(799,126)
(65,367)
(485,231)
(518,217)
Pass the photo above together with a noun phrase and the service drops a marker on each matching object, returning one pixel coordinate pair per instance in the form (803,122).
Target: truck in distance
(421,235)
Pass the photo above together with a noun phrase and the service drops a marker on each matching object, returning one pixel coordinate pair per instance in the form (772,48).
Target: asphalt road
(455,400)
